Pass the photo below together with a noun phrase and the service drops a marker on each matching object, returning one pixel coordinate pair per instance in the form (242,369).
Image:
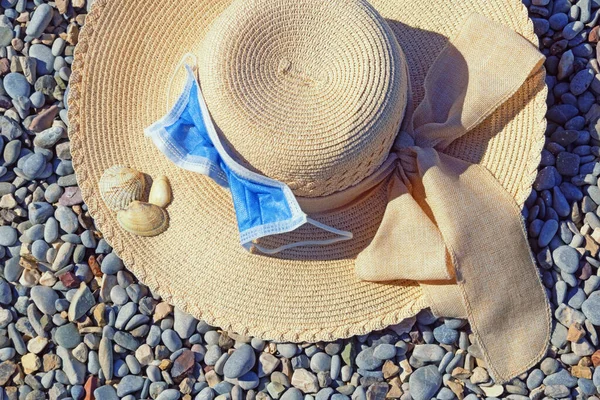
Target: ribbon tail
(407,244)
(497,277)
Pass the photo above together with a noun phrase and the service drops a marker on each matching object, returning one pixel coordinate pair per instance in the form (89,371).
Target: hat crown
(309,92)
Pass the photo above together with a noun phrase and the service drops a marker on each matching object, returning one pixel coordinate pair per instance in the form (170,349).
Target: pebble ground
(74,324)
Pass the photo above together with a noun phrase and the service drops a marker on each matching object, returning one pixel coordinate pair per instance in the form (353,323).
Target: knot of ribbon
(449,223)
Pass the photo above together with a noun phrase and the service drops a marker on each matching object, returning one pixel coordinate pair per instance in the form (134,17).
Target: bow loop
(449,221)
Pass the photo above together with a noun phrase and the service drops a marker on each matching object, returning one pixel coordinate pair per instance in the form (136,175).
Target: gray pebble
(67,336)
(111,264)
(566,258)
(44,299)
(39,21)
(44,59)
(49,137)
(425,382)
(591,308)
(8,235)
(16,85)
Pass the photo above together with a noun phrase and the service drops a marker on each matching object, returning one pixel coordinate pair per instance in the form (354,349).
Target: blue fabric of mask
(263,206)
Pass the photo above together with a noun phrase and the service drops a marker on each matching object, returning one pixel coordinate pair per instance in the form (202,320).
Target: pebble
(67,336)
(425,382)
(367,361)
(566,258)
(111,264)
(591,308)
(240,362)
(8,235)
(171,340)
(185,324)
(320,362)
(39,21)
(81,302)
(44,298)
(129,384)
(16,85)
(44,59)
(49,137)
(428,353)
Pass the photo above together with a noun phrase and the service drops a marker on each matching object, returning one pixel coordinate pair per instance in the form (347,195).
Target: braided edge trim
(77,84)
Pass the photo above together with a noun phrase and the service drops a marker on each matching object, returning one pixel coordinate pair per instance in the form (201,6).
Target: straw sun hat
(413,127)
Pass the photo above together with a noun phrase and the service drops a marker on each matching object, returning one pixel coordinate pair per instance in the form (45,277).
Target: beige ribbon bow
(449,221)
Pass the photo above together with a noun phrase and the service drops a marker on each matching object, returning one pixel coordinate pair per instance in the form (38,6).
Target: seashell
(119,186)
(143,219)
(160,193)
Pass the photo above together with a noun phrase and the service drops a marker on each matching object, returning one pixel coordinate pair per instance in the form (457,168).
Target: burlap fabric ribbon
(450,224)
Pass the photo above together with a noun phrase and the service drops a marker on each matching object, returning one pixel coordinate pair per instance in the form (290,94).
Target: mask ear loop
(182,64)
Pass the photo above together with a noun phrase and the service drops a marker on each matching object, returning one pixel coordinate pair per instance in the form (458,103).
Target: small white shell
(143,219)
(119,186)
(160,193)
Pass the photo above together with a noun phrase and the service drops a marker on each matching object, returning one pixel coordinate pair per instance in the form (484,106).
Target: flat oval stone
(45,59)
(34,165)
(49,137)
(566,258)
(111,264)
(129,384)
(428,353)
(39,21)
(171,340)
(44,299)
(67,219)
(320,362)
(169,394)
(16,85)
(425,382)
(591,308)
(241,361)
(67,336)
(367,361)
(385,351)
(8,235)
(445,335)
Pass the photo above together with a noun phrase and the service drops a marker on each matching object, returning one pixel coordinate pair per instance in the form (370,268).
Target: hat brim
(123,63)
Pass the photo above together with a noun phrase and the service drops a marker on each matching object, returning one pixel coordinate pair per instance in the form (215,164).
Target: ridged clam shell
(160,193)
(119,186)
(143,219)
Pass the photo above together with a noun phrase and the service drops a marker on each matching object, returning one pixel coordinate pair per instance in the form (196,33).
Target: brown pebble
(51,362)
(575,333)
(390,369)
(62,5)
(581,372)
(94,266)
(44,119)
(596,358)
(594,35)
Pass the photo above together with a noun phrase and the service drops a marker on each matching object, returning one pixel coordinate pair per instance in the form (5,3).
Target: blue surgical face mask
(263,206)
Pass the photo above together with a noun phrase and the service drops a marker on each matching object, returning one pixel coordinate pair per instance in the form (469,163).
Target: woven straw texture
(118,86)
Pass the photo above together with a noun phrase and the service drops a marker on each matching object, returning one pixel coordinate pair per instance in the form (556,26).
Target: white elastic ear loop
(182,63)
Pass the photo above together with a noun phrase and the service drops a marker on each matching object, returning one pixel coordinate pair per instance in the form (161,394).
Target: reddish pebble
(90,385)
(183,364)
(94,266)
(69,280)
